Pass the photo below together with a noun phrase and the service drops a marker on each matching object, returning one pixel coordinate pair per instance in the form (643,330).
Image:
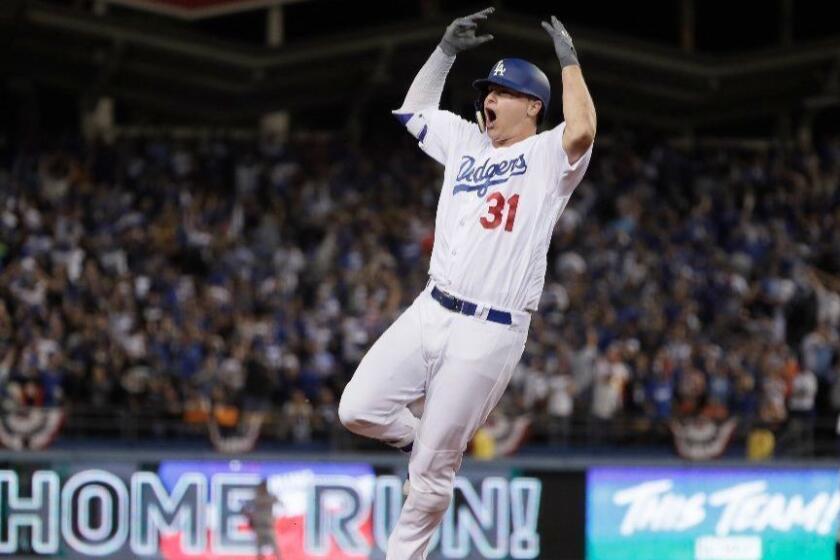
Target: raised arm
(427,87)
(578,108)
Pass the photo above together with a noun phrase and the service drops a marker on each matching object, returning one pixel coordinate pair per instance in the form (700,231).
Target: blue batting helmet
(518,75)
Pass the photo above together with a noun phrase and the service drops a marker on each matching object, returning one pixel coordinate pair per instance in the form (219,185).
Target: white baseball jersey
(497,208)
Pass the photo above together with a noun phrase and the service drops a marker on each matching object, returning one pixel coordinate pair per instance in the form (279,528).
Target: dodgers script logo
(479,179)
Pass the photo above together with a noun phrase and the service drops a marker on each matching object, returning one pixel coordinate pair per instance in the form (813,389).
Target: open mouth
(490,115)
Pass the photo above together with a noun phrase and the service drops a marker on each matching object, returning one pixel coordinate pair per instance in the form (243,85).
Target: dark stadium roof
(741,60)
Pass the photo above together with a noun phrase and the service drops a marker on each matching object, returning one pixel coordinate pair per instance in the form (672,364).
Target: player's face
(508,113)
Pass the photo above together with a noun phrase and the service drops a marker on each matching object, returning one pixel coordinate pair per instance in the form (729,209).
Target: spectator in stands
(561,401)
(660,388)
(611,377)
(299,417)
(820,349)
(801,404)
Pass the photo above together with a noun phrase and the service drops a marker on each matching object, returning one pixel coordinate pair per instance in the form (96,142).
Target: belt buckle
(458,304)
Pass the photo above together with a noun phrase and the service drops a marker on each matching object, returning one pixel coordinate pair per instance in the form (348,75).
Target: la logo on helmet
(499,70)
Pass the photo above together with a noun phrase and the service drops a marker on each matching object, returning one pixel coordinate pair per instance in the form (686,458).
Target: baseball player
(503,190)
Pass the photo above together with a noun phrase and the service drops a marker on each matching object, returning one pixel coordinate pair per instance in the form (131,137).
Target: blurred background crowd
(152,284)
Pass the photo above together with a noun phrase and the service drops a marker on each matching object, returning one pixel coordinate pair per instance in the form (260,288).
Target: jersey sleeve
(436,130)
(568,175)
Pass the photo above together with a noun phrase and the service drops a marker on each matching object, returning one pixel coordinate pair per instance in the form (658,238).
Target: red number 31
(497,206)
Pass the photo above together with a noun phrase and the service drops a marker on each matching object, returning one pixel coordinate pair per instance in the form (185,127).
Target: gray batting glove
(563,45)
(460,35)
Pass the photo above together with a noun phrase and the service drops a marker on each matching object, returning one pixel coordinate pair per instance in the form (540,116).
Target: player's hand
(563,45)
(460,35)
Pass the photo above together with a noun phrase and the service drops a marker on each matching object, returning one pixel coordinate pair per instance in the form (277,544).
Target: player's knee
(433,476)
(346,414)
(347,409)
(362,412)
(352,416)
(432,499)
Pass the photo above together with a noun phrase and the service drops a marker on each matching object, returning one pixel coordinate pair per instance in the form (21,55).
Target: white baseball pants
(462,365)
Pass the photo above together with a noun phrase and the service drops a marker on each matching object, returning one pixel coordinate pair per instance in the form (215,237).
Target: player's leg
(474,372)
(390,376)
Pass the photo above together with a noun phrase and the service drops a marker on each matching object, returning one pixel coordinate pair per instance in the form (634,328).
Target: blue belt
(460,306)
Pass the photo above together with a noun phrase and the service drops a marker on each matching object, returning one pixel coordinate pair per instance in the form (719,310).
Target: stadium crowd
(187,280)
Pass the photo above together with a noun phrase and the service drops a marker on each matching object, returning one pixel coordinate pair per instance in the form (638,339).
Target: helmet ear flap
(479,112)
